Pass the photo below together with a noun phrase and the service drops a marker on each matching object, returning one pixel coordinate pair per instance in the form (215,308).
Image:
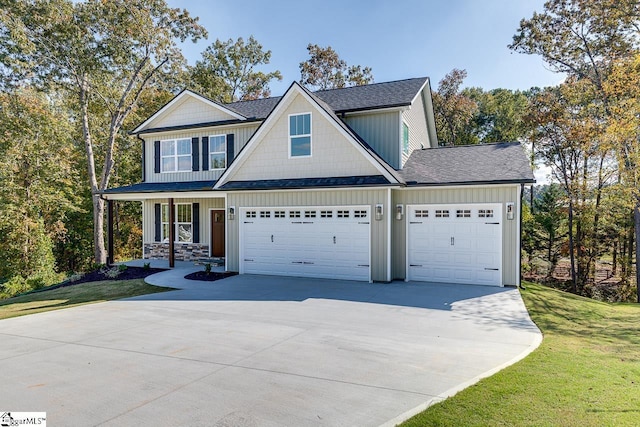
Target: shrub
(146,266)
(207,268)
(122,267)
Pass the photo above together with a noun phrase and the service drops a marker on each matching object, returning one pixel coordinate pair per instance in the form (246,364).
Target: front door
(217,233)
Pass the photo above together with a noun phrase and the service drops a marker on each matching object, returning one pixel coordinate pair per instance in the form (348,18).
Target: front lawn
(80,294)
(586,372)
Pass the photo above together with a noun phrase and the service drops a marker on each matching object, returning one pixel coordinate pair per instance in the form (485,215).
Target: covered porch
(184,221)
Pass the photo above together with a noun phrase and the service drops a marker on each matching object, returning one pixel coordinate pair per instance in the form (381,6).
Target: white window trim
(211,168)
(298,136)
(165,239)
(175,156)
(406,153)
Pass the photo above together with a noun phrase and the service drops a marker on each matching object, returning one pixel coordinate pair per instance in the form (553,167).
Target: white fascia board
(177,99)
(204,128)
(455,187)
(426,83)
(296,190)
(166,195)
(375,111)
(294,89)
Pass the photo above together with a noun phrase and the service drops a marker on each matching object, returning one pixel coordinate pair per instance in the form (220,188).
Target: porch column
(172,233)
(110,231)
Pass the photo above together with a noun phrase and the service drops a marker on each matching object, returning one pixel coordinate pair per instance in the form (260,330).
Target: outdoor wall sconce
(510,210)
(399,212)
(232,212)
(379,212)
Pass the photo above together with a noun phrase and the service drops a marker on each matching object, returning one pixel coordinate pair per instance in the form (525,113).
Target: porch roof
(162,187)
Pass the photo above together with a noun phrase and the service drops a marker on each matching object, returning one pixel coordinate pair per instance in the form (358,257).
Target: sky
(398,39)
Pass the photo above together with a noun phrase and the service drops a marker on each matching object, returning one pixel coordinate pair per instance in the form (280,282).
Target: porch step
(215,261)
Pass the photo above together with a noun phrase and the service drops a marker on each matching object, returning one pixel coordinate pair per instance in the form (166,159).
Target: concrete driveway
(261,351)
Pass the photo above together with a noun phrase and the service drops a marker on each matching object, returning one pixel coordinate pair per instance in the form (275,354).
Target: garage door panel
(327,242)
(464,247)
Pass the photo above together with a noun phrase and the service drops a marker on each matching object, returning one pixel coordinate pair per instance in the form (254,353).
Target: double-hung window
(300,135)
(218,152)
(175,155)
(184,225)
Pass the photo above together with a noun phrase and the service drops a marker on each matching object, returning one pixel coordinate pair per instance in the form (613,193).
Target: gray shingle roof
(504,162)
(342,181)
(154,187)
(355,98)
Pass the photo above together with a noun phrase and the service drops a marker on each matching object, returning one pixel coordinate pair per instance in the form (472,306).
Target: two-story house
(345,183)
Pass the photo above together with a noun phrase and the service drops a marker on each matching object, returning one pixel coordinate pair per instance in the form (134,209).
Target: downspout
(520,238)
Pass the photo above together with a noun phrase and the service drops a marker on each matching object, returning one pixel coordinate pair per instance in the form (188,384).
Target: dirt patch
(209,277)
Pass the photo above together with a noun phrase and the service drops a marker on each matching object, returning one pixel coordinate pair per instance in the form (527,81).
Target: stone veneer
(183,251)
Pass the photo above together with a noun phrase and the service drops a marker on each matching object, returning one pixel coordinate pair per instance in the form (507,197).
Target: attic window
(300,135)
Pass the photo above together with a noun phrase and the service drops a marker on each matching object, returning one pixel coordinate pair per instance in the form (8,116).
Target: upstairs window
(300,135)
(405,138)
(175,155)
(217,152)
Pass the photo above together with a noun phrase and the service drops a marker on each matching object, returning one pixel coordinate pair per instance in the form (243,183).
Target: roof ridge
(482,144)
(371,84)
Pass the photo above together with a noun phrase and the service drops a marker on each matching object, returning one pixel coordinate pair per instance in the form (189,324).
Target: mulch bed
(209,277)
(96,276)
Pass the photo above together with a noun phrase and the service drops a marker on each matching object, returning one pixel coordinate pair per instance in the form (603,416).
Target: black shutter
(230,149)
(156,158)
(205,153)
(158,221)
(195,155)
(195,220)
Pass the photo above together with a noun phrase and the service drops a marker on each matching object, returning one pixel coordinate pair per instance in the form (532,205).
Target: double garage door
(326,242)
(455,243)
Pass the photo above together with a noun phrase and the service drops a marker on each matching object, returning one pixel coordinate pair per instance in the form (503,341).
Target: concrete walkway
(261,351)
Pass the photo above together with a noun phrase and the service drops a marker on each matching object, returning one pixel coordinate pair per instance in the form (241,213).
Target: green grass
(585,373)
(71,296)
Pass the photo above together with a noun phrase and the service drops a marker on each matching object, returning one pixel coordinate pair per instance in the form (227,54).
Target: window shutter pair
(205,151)
(195,221)
(195,155)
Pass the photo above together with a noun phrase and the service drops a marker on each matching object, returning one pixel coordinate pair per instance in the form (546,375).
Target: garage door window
(309,214)
(422,213)
(485,213)
(294,214)
(463,213)
(359,214)
(278,214)
(343,214)
(265,214)
(251,214)
(442,213)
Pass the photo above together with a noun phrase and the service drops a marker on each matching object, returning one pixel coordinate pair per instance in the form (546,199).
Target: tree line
(75,76)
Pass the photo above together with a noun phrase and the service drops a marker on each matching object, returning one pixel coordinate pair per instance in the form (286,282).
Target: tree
(37,184)
(227,71)
(325,70)
(453,110)
(104,53)
(548,215)
(499,116)
(585,39)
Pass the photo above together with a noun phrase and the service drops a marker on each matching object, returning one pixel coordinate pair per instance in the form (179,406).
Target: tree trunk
(636,217)
(614,267)
(572,255)
(98,230)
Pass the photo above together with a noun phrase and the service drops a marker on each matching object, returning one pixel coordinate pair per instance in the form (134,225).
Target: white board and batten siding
(416,121)
(148,221)
(318,200)
(241,136)
(491,197)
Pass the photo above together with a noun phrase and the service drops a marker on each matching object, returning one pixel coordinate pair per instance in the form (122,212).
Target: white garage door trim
(487,271)
(303,268)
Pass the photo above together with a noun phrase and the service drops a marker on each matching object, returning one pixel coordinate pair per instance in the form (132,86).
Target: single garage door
(325,242)
(455,243)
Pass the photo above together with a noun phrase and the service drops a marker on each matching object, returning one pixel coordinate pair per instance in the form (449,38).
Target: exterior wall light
(379,212)
(399,212)
(232,212)
(510,210)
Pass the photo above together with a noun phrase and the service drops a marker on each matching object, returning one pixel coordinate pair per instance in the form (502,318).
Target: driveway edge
(454,390)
